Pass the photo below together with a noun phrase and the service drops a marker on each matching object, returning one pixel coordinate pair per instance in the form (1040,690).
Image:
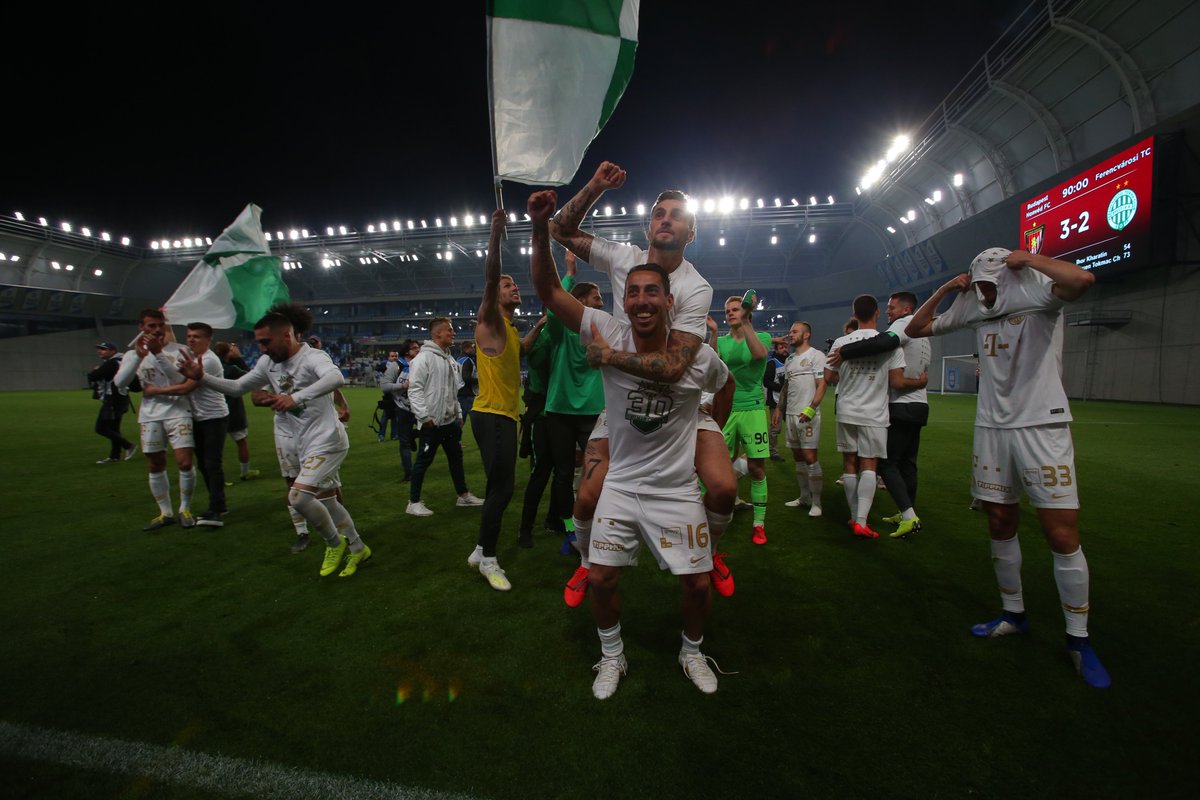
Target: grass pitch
(855,673)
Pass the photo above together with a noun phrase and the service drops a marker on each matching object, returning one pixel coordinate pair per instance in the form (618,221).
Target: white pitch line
(213,773)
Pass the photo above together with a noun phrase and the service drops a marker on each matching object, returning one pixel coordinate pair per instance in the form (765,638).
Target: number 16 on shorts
(696,536)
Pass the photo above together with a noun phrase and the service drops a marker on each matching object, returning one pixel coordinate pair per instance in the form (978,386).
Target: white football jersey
(801,372)
(1020,350)
(693,294)
(863,383)
(651,425)
(917,355)
(152,372)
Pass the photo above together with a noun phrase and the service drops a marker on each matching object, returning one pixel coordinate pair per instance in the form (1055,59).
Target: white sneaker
(490,569)
(742,505)
(608,674)
(468,500)
(695,666)
(815,511)
(418,509)
(476,557)
(799,501)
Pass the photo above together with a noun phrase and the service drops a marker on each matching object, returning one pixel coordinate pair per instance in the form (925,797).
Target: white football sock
(1071,575)
(317,516)
(740,467)
(691,647)
(1006,561)
(187,484)
(583,540)
(610,641)
(815,483)
(298,521)
(866,495)
(717,523)
(160,490)
(850,487)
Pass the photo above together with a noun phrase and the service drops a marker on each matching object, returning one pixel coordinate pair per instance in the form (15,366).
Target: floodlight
(304,233)
(830,199)
(437,222)
(125,241)
(279,235)
(937,195)
(98,272)
(187,242)
(929,200)
(396,225)
(760,202)
(423,225)
(370,229)
(912,214)
(410,224)
(641,209)
(760,306)
(812,238)
(105,237)
(527,218)
(176,244)
(512,217)
(329,230)
(86,231)
(858,190)
(56,265)
(454,222)
(19,216)
(795,202)
(439,255)
(479,254)
(14,259)
(721,241)
(522,251)
(42,221)
(774,240)
(70,267)
(812,199)
(449,255)
(958,179)
(709,205)
(890,229)
(342,230)
(744,203)
(904,220)
(66,226)
(693,205)
(3,257)
(608,211)
(595,212)
(725,205)
(293,234)
(482,219)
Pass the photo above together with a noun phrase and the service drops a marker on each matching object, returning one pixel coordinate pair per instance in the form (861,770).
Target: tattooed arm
(666,366)
(564,226)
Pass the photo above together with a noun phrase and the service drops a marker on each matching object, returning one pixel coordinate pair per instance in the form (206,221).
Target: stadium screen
(1101,216)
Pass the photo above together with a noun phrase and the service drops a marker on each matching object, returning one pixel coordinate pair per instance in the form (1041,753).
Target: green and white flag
(556,70)
(235,282)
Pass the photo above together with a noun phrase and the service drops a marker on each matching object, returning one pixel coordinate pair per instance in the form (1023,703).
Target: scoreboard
(1100,217)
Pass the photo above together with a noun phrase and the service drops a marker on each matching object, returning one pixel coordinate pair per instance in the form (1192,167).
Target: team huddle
(680,404)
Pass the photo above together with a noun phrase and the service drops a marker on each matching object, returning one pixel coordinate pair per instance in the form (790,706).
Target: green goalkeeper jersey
(747,372)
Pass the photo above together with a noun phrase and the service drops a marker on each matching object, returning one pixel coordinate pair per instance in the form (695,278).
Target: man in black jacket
(113,404)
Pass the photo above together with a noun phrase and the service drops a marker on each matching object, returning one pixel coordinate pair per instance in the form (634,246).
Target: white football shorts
(674,527)
(321,471)
(1039,460)
(176,432)
(803,435)
(867,441)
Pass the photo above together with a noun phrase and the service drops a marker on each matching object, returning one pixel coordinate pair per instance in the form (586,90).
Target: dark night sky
(137,123)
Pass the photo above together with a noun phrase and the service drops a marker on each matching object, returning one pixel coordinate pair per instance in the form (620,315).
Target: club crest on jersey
(286,383)
(1034,239)
(1016,320)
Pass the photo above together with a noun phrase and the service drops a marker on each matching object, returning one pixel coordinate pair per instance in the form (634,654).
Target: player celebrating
(302,380)
(670,229)
(908,410)
(165,415)
(800,403)
(650,490)
(862,414)
(1021,426)
(744,351)
(495,413)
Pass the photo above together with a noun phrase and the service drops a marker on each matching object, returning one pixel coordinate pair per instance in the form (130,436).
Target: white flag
(556,72)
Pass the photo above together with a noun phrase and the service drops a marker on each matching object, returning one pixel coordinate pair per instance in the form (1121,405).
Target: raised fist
(542,204)
(608,176)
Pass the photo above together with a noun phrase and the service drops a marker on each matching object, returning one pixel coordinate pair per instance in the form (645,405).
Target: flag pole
(497,182)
